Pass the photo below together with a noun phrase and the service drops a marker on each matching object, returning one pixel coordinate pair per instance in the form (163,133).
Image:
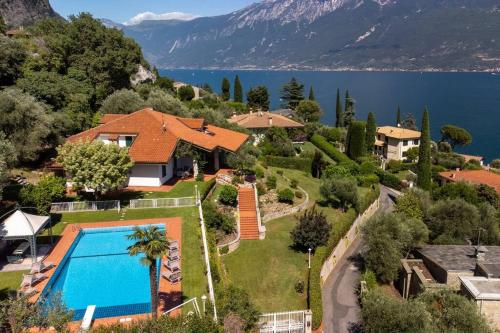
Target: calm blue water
(99,271)
(469,100)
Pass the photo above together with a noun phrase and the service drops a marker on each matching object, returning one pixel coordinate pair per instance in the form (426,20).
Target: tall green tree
(7,158)
(225,89)
(356,146)
(292,93)
(312,97)
(455,135)
(371,132)
(238,90)
(424,174)
(150,242)
(350,112)
(339,114)
(398,117)
(12,56)
(308,111)
(258,98)
(122,101)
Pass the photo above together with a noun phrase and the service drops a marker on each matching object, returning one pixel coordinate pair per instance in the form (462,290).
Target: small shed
(21,225)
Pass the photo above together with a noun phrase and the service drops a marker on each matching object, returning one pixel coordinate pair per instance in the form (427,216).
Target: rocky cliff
(17,13)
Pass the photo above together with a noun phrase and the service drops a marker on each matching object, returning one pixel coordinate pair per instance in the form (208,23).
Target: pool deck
(170,294)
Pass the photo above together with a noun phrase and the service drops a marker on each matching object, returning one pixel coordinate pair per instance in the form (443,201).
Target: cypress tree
(238,90)
(311,94)
(371,131)
(424,155)
(226,86)
(349,109)
(398,117)
(357,137)
(338,112)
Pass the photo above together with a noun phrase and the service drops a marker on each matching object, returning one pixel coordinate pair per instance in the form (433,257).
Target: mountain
(331,34)
(17,13)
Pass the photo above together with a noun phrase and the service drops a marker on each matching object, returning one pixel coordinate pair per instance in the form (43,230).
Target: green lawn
(9,282)
(193,268)
(309,147)
(269,269)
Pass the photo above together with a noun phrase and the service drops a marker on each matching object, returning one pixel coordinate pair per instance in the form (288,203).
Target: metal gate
(290,322)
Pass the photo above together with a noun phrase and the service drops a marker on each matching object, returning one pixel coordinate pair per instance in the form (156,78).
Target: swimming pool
(97,270)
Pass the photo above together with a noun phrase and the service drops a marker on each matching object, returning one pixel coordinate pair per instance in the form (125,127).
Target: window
(163,171)
(415,142)
(405,142)
(128,141)
(378,137)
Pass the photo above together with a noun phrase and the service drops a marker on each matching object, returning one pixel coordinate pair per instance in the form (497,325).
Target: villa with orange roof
(392,142)
(476,177)
(152,138)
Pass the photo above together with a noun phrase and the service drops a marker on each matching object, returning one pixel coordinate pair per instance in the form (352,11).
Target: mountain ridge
(331,35)
(17,13)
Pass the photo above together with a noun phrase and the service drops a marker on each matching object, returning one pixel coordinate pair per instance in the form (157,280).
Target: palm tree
(152,243)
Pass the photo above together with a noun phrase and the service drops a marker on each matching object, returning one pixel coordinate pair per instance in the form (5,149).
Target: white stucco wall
(150,174)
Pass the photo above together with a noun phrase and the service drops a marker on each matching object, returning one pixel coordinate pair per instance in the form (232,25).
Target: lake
(469,100)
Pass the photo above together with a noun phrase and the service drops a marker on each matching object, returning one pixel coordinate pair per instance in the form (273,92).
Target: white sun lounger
(41,266)
(31,279)
(87,318)
(19,251)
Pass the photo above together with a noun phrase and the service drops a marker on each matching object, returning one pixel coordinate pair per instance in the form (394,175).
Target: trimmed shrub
(330,150)
(237,180)
(224,250)
(315,300)
(204,192)
(367,180)
(228,196)
(271,182)
(299,287)
(298,163)
(389,180)
(294,183)
(299,194)
(259,172)
(286,196)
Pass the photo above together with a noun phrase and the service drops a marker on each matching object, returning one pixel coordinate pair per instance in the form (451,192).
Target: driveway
(340,300)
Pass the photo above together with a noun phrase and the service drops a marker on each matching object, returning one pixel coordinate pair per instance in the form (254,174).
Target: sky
(122,11)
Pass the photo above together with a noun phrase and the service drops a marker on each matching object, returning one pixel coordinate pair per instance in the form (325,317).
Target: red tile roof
(263,120)
(109,117)
(474,176)
(157,134)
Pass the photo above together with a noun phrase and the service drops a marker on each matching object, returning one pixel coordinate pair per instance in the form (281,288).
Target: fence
(339,251)
(290,322)
(163,203)
(84,206)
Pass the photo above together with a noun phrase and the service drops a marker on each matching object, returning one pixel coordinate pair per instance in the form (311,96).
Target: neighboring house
(485,292)
(469,158)
(472,176)
(289,113)
(259,122)
(440,266)
(392,142)
(152,138)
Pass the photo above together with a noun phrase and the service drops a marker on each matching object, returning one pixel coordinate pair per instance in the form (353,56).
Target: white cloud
(163,16)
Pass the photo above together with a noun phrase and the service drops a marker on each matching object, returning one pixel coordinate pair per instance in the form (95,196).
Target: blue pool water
(97,270)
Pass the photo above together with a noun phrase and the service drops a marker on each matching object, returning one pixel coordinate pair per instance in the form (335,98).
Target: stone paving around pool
(170,294)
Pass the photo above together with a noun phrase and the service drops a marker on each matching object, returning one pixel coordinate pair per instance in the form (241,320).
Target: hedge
(339,157)
(389,180)
(298,163)
(314,287)
(206,189)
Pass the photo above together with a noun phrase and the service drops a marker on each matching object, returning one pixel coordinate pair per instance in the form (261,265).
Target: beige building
(485,292)
(392,142)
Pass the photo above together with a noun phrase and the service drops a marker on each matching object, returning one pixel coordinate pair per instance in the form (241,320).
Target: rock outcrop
(17,13)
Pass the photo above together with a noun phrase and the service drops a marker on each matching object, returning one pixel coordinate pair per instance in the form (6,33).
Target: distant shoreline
(393,70)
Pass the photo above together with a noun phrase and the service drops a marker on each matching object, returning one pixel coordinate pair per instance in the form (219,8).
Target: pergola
(21,225)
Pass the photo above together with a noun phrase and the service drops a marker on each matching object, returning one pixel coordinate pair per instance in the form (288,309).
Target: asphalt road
(340,300)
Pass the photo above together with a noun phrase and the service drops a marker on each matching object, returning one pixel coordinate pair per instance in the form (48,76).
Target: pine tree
(292,93)
(371,132)
(357,136)
(349,114)
(226,86)
(338,112)
(238,90)
(311,94)
(424,155)
(398,117)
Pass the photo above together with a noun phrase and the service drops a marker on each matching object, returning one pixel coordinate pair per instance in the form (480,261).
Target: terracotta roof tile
(106,118)
(474,176)
(398,132)
(468,158)
(193,123)
(158,135)
(263,120)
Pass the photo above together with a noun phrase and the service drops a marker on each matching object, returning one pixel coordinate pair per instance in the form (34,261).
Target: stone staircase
(249,225)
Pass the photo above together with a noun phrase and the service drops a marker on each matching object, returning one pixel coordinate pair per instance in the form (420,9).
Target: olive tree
(122,101)
(95,165)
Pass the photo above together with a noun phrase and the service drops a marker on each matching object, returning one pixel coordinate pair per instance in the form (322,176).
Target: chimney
(480,252)
(270,121)
(399,125)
